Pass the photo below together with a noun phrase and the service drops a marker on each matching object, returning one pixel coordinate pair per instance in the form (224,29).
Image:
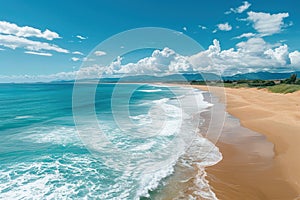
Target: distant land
(190,77)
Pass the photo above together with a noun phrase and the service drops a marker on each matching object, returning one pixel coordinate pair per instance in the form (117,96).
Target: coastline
(259,161)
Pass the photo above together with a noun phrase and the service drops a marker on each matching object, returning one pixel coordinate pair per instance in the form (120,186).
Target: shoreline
(260,149)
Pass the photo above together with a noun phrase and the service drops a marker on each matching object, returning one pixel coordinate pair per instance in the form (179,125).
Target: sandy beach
(260,161)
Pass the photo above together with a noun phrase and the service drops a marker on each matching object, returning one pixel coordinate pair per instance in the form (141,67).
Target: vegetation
(288,85)
(261,83)
(284,88)
(291,80)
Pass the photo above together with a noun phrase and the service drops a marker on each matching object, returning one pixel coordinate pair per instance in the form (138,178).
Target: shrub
(242,81)
(261,83)
(284,88)
(269,83)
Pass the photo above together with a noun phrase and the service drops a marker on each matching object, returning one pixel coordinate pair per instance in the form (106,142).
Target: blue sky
(76,27)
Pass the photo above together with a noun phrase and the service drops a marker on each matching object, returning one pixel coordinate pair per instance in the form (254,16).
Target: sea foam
(55,161)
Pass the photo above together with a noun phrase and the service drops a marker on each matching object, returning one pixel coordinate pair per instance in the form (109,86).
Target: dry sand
(248,169)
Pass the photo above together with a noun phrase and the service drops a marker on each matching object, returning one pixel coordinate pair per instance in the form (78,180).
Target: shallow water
(147,133)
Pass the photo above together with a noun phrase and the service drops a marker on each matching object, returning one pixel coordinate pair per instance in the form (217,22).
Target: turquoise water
(45,155)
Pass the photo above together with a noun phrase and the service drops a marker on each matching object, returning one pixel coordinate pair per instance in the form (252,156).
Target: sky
(49,40)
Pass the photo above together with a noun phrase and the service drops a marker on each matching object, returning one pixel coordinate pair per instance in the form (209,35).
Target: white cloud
(252,55)
(75,59)
(2,49)
(295,58)
(26,31)
(159,63)
(280,54)
(266,23)
(202,27)
(13,42)
(87,59)
(77,53)
(246,35)
(253,46)
(239,9)
(38,53)
(99,53)
(81,37)
(243,7)
(224,27)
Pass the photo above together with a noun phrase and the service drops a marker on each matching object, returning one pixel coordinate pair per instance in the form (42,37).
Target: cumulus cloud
(38,53)
(253,45)
(266,23)
(160,62)
(26,31)
(254,54)
(13,42)
(99,53)
(81,37)
(295,58)
(239,9)
(280,54)
(223,27)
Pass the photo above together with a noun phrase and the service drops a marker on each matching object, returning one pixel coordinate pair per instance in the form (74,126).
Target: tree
(291,80)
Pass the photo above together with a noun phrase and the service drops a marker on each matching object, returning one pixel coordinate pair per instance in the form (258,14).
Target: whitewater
(144,132)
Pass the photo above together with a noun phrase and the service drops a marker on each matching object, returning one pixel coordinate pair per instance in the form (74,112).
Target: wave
(60,135)
(179,112)
(156,90)
(151,142)
(23,117)
(70,176)
(150,182)
(203,154)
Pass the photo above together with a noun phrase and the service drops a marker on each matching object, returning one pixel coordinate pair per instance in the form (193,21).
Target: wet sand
(260,161)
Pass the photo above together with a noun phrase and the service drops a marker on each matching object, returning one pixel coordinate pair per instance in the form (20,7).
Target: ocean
(145,137)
